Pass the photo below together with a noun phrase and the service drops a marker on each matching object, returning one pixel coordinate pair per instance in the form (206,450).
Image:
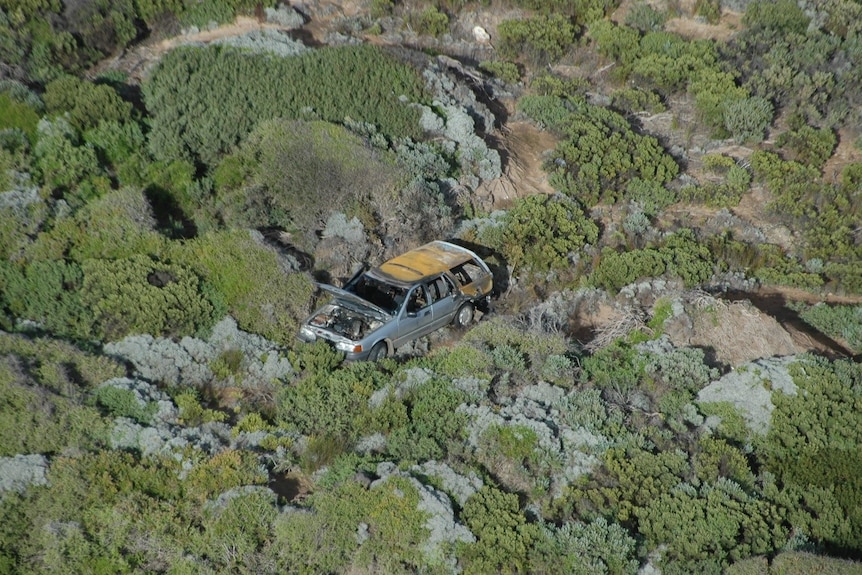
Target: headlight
(348,346)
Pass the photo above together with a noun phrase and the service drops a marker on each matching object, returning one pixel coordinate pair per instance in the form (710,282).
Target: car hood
(356,303)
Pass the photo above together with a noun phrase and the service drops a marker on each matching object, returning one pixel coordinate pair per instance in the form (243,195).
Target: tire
(465,315)
(379,351)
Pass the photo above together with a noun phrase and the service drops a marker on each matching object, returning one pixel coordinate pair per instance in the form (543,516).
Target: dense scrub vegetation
(160,245)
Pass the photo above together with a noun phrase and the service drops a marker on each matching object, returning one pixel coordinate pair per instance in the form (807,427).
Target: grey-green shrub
(292,174)
(747,119)
(204,101)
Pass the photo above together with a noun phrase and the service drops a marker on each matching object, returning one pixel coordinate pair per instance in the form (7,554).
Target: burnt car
(405,298)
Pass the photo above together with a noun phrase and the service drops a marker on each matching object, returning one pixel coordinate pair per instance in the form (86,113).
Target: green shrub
(616,367)
(679,254)
(67,168)
(18,115)
(667,61)
(629,481)
(841,321)
(539,39)
(584,11)
(651,196)
(809,145)
(60,366)
(800,563)
(235,531)
(115,226)
(140,295)
(225,470)
(325,541)
(118,142)
(540,233)
(204,101)
(87,104)
(329,403)
(433,424)
(430,22)
(813,446)
(601,152)
(619,43)
(713,91)
(246,278)
(710,10)
(636,100)
(192,413)
(41,420)
(534,346)
(47,292)
(718,523)
(781,16)
(503,536)
(506,71)
(461,361)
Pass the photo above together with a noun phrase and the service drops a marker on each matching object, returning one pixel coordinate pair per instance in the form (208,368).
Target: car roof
(423,262)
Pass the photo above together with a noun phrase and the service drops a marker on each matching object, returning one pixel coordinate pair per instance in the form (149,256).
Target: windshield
(383,295)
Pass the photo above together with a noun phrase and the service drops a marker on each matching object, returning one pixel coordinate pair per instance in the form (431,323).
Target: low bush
(332,404)
(504,538)
(351,528)
(236,91)
(747,119)
(584,548)
(679,254)
(504,70)
(601,152)
(430,22)
(717,524)
(48,293)
(87,104)
(331,170)
(808,145)
(636,101)
(813,446)
(433,425)
(540,39)
(15,114)
(139,295)
(641,16)
(120,402)
(246,279)
(781,16)
(35,420)
(541,233)
(841,321)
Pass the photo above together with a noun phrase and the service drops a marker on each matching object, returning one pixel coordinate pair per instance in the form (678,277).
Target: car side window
(439,289)
(418,299)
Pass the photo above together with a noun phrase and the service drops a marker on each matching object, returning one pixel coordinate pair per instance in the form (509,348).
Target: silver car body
(401,300)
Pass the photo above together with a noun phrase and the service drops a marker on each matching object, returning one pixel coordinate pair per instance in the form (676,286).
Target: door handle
(427,313)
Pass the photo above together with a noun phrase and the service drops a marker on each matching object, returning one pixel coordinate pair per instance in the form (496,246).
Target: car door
(444,304)
(415,317)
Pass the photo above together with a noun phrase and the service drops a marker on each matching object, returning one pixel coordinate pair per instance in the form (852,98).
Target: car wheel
(464,317)
(378,352)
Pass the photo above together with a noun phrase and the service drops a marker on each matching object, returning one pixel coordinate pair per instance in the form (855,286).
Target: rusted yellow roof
(428,260)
